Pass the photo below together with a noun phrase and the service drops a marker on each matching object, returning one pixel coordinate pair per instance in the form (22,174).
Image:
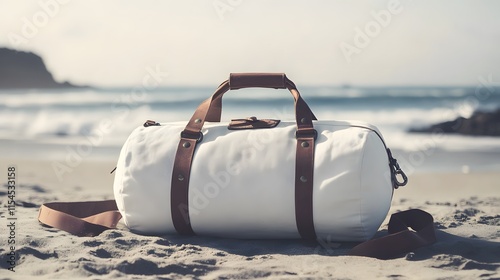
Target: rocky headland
(21,70)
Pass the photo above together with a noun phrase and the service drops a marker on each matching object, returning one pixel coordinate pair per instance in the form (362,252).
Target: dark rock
(479,124)
(20,69)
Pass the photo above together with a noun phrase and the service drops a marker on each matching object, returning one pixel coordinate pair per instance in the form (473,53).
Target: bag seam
(360,192)
(126,148)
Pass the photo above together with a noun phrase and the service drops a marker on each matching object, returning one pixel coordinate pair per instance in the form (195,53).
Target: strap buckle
(306,133)
(149,123)
(191,135)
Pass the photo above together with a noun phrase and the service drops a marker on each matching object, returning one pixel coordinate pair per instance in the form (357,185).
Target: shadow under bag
(255,178)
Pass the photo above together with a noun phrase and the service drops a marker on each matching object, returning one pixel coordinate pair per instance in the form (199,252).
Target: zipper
(396,172)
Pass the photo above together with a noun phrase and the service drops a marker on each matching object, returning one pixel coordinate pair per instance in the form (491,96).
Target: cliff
(20,69)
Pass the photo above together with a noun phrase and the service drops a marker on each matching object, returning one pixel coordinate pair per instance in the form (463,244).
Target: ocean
(51,124)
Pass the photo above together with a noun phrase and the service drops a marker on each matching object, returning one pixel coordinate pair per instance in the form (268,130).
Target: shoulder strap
(93,217)
(408,230)
(88,218)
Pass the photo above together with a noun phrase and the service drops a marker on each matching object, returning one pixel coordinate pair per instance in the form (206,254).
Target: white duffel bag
(251,178)
(256,178)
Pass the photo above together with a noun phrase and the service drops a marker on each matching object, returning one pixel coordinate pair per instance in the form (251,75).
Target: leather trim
(215,107)
(179,192)
(88,218)
(252,123)
(304,179)
(263,80)
(400,239)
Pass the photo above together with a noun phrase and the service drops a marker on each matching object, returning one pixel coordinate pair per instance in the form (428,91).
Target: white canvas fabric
(242,181)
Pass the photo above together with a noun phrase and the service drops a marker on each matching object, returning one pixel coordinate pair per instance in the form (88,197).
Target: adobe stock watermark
(222,7)
(12,257)
(372,29)
(30,27)
(121,108)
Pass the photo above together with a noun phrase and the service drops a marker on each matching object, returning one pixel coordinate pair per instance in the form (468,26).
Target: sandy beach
(78,77)
(465,207)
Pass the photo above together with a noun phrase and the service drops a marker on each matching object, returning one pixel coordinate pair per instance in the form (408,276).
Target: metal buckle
(189,135)
(403,176)
(395,171)
(306,134)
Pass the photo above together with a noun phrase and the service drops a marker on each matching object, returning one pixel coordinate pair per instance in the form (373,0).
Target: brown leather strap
(401,239)
(304,178)
(93,217)
(179,193)
(262,80)
(304,171)
(245,80)
(191,135)
(80,218)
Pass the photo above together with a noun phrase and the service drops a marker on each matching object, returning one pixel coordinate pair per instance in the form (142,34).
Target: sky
(199,42)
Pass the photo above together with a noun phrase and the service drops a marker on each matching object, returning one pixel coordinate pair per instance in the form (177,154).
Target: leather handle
(204,112)
(249,80)
(262,80)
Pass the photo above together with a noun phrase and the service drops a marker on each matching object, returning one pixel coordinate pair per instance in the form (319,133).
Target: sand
(466,208)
